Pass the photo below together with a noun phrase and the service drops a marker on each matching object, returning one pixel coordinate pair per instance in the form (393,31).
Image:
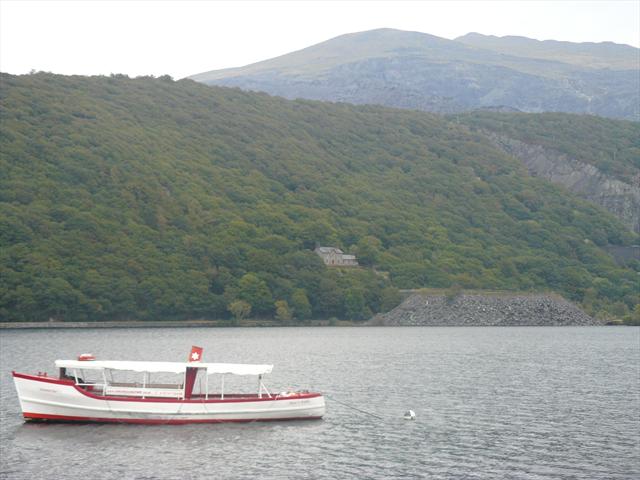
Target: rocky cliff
(484,310)
(620,198)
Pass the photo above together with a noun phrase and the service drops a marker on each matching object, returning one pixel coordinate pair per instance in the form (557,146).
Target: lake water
(503,402)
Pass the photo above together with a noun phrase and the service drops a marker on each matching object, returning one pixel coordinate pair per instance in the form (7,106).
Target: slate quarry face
(621,198)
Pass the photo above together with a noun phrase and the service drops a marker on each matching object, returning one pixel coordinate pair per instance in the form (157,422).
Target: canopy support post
(222,388)
(261,387)
(206,386)
(144,382)
(104,379)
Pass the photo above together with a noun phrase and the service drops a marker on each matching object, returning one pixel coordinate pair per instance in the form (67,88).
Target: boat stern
(305,405)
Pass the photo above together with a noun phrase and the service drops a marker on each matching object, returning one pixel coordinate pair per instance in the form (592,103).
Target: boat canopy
(166,367)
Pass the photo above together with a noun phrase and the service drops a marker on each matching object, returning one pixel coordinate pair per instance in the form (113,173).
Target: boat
(88,390)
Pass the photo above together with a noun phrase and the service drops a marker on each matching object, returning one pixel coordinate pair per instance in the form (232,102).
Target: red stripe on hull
(140,421)
(233,398)
(37,378)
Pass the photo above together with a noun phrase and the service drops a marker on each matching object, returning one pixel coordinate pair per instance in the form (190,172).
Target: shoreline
(221,324)
(174,324)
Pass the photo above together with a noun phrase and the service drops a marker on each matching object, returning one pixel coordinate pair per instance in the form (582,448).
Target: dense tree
(300,304)
(148,198)
(256,293)
(240,309)
(354,304)
(389,298)
(611,145)
(283,312)
(368,250)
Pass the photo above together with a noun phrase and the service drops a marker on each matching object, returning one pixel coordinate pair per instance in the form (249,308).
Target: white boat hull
(50,399)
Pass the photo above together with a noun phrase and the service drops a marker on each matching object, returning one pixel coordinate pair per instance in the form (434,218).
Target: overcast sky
(184,38)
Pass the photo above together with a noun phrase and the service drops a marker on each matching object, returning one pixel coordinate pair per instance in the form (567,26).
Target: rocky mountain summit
(484,310)
(419,71)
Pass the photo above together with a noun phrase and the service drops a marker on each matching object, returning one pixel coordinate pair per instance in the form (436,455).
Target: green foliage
(256,293)
(354,305)
(389,298)
(633,318)
(368,250)
(611,145)
(283,312)
(148,198)
(240,309)
(300,304)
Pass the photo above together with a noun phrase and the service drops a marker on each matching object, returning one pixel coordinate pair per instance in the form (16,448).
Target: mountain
(424,72)
(605,55)
(153,199)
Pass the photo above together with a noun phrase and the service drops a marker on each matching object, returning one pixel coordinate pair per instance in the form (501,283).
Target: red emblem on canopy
(196,354)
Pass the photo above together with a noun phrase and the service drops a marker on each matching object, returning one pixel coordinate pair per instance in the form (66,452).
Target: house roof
(329,250)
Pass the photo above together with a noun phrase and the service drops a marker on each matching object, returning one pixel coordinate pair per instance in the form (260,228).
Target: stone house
(334,257)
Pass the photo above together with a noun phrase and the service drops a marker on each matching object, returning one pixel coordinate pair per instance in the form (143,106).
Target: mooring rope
(354,408)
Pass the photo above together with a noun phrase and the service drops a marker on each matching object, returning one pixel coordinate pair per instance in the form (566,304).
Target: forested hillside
(594,158)
(153,199)
(613,146)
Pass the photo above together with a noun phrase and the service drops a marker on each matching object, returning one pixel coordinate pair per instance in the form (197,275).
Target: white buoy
(410,415)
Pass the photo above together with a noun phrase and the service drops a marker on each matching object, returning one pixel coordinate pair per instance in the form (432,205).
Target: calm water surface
(520,403)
